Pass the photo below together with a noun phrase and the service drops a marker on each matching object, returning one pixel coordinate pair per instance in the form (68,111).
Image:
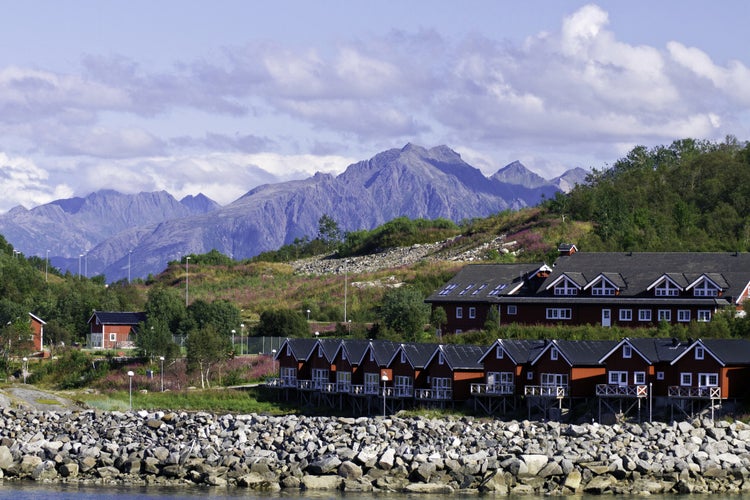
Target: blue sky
(218,97)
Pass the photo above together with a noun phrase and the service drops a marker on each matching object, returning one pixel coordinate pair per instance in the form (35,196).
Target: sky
(218,97)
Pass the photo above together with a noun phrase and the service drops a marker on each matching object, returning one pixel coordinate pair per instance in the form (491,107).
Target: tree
(282,323)
(438,318)
(205,348)
(404,311)
(167,305)
(155,339)
(492,323)
(329,232)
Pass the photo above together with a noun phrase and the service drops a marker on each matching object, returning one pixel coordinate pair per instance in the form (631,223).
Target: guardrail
(677,391)
(612,390)
(434,394)
(552,391)
(493,389)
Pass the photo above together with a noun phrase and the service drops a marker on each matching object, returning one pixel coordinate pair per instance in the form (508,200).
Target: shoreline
(372,454)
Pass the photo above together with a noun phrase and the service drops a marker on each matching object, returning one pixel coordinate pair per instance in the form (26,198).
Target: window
(618,378)
(626,315)
(371,383)
(557,379)
(472,312)
(404,386)
(553,354)
(288,376)
(372,355)
(704,315)
(559,313)
(320,352)
(708,379)
(441,359)
(468,287)
(644,315)
(667,289)
(113,337)
(343,354)
(499,352)
(700,353)
(603,288)
(481,287)
(319,377)
(665,315)
(686,379)
(343,381)
(639,378)
(288,350)
(459,312)
(403,357)
(659,375)
(683,315)
(529,375)
(705,289)
(566,288)
(627,351)
(512,311)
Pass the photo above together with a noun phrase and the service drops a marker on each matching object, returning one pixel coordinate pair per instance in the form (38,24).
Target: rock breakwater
(416,455)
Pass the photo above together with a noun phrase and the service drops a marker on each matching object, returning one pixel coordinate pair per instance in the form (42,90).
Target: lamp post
(233,332)
(384,378)
(161,372)
(242,329)
(25,368)
(273,359)
(308,315)
(187,278)
(130,388)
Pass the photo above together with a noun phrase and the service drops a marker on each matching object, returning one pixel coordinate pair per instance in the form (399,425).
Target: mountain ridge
(139,234)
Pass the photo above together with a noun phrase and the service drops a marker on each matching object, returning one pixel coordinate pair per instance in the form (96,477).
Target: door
(606,317)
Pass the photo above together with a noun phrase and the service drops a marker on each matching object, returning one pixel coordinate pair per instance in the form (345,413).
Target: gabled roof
(519,350)
(118,318)
(614,279)
(382,351)
(459,356)
(330,347)
(38,319)
(640,271)
(417,355)
(724,351)
(301,348)
(483,282)
(355,349)
(578,352)
(578,279)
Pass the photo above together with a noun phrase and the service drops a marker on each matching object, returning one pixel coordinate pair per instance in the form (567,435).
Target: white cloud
(24,183)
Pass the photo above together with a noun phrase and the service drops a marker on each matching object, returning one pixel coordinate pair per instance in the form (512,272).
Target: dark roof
(651,349)
(726,351)
(579,352)
(330,347)
(383,350)
(355,349)
(118,318)
(417,354)
(483,282)
(460,356)
(301,348)
(635,272)
(520,350)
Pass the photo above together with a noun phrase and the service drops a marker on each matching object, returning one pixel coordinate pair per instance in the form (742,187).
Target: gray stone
(321,482)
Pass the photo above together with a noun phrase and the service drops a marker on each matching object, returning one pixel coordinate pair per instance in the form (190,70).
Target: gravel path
(34,399)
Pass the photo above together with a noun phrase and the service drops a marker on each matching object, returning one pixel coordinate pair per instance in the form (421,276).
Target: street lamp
(25,368)
(384,378)
(161,372)
(130,390)
(273,360)
(187,278)
(233,332)
(308,315)
(242,327)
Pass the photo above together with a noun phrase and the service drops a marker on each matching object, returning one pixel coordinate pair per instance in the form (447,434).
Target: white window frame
(554,379)
(529,375)
(664,315)
(441,358)
(705,289)
(403,386)
(602,288)
(113,336)
(512,310)
(686,379)
(554,354)
(639,378)
(459,312)
(700,352)
(566,288)
(288,375)
(683,315)
(627,351)
(319,377)
(708,380)
(499,352)
(616,377)
(704,315)
(644,314)
(667,289)
(659,375)
(626,315)
(563,313)
(372,383)
(472,312)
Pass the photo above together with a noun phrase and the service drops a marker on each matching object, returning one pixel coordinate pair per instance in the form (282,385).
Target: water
(33,491)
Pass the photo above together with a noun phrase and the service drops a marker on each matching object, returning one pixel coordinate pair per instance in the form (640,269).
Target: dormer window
(603,288)
(667,289)
(705,289)
(566,287)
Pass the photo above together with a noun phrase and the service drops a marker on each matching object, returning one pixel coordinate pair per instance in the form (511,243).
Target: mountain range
(128,236)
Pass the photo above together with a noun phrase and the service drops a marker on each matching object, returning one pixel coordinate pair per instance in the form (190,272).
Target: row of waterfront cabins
(633,289)
(550,376)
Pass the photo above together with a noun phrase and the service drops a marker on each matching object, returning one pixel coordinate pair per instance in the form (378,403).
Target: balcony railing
(398,392)
(281,383)
(493,389)
(677,391)
(365,390)
(434,394)
(612,390)
(343,387)
(551,391)
(306,385)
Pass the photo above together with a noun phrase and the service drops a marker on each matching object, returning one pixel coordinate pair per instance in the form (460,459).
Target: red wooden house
(450,371)
(114,330)
(37,332)
(292,357)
